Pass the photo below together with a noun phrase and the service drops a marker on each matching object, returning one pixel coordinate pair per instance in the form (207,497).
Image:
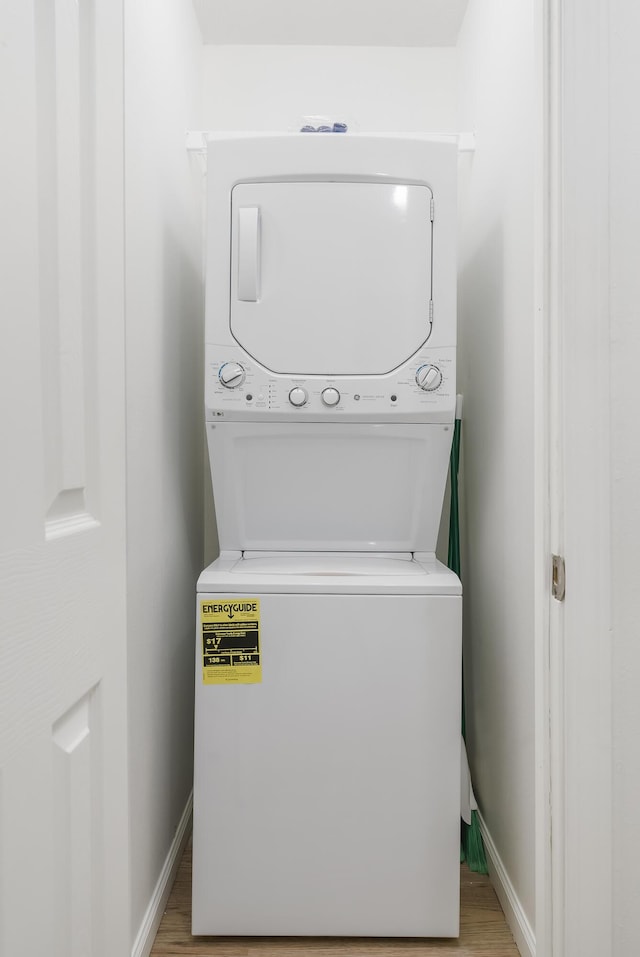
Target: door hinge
(431,208)
(557,577)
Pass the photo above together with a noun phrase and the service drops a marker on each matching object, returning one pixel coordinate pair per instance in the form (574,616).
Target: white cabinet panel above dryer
(331,278)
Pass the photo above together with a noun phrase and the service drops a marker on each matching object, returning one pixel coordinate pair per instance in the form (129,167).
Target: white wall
(374,88)
(496,356)
(624,160)
(163,87)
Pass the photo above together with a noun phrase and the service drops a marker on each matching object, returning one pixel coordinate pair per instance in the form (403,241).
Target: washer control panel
(422,389)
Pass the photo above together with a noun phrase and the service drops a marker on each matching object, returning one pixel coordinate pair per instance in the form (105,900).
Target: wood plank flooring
(484,932)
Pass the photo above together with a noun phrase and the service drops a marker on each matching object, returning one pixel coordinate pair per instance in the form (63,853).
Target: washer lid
(332,574)
(326,565)
(331,278)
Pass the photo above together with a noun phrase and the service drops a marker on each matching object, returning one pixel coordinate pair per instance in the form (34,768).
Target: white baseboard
(153,915)
(516,918)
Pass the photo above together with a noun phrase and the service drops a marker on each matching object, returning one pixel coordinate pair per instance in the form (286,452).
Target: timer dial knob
(298,397)
(428,378)
(231,375)
(330,397)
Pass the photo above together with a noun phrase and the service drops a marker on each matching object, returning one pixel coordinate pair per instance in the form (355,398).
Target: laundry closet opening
(471,70)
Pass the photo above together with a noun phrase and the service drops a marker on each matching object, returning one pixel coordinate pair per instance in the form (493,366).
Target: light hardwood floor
(484,932)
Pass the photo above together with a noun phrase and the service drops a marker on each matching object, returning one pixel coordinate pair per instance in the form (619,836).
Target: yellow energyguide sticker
(230,629)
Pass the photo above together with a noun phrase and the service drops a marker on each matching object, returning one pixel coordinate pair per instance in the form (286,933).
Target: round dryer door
(330,278)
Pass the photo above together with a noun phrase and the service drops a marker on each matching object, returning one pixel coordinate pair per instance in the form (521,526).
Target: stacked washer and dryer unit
(327,752)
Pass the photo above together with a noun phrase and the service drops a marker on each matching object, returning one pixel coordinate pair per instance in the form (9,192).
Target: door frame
(573,638)
(545,279)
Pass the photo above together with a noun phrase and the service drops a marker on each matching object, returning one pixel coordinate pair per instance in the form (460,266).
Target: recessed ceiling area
(388,23)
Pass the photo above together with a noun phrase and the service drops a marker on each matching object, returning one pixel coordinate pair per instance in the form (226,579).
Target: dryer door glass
(330,278)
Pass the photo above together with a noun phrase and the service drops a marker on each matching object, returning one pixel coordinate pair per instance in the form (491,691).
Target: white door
(331,278)
(63,799)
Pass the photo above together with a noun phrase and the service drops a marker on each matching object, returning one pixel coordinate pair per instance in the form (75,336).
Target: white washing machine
(327,761)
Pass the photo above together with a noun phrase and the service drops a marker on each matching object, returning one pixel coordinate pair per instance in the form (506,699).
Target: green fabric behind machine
(471,845)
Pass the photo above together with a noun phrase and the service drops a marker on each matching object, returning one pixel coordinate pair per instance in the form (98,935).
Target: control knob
(231,375)
(330,397)
(298,397)
(429,378)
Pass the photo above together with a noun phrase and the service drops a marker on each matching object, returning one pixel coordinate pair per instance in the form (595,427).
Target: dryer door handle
(249,253)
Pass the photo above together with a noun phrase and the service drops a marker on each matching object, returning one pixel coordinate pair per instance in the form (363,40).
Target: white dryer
(327,761)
